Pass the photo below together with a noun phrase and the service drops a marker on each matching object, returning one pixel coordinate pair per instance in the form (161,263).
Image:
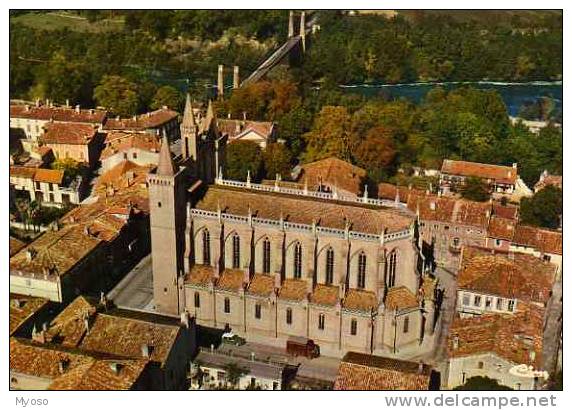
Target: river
(514,95)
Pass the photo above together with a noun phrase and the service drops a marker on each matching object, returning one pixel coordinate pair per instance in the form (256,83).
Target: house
(79,142)
(491,281)
(546,179)
(32,118)
(332,175)
(138,148)
(98,327)
(543,243)
(210,371)
(15,245)
(158,122)
(49,187)
(360,371)
(507,348)
(25,311)
(502,180)
(399,194)
(39,366)
(260,132)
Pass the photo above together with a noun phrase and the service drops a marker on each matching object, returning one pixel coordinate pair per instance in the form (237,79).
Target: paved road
(135,291)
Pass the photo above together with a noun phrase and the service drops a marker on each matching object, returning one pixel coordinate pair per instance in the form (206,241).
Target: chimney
(63,365)
(432,205)
(514,165)
(455,342)
(91,111)
(30,253)
(244,116)
(235,77)
(185,319)
(220,81)
(420,367)
(77,108)
(48,102)
(67,103)
(291,24)
(37,102)
(27,107)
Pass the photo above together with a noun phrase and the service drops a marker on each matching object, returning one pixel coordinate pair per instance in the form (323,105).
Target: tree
(117,94)
(475,189)
(234,372)
(71,167)
(482,383)
(242,157)
(544,209)
(167,96)
(330,135)
(376,152)
(277,160)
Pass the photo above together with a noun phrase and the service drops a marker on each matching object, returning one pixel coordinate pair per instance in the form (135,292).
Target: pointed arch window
(329,266)
(353,327)
(236,251)
(297,260)
(321,321)
(266,256)
(392,269)
(362,265)
(206,247)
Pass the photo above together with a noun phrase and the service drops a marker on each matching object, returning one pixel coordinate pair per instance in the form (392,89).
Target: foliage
(234,372)
(242,157)
(482,383)
(376,152)
(330,135)
(117,94)
(71,167)
(167,96)
(475,189)
(277,160)
(544,209)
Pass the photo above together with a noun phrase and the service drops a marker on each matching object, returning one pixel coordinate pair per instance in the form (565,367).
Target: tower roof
(166,166)
(188,115)
(210,117)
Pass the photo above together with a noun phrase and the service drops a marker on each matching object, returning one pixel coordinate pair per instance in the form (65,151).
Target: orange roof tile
(367,372)
(544,240)
(122,141)
(68,133)
(235,128)
(141,122)
(517,338)
(53,176)
(520,276)
(231,279)
(15,245)
(400,298)
(22,172)
(294,289)
(450,210)
(261,285)
(22,308)
(363,300)
(499,173)
(501,228)
(64,114)
(200,275)
(325,295)
(389,192)
(335,172)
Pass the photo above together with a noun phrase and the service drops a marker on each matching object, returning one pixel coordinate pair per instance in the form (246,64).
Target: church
(271,262)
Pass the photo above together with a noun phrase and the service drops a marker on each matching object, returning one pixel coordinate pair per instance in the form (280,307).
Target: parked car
(300,346)
(232,339)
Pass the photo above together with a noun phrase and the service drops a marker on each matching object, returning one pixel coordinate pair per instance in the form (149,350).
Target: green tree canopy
(277,160)
(544,209)
(117,94)
(242,157)
(330,135)
(482,383)
(475,189)
(167,96)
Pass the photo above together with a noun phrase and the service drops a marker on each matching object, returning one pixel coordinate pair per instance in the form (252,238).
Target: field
(60,20)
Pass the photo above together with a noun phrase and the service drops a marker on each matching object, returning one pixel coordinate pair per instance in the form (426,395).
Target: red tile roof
(62,114)
(68,133)
(235,128)
(389,192)
(325,295)
(450,210)
(363,300)
(153,119)
(499,173)
(519,276)
(54,176)
(517,338)
(261,285)
(335,172)
(122,141)
(501,228)
(400,298)
(544,240)
(367,372)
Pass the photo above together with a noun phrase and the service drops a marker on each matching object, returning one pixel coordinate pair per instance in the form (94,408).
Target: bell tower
(167,204)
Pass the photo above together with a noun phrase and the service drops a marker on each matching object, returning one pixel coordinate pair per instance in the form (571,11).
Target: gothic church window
(297,260)
(236,251)
(226,305)
(321,321)
(392,269)
(329,266)
(353,327)
(362,264)
(206,247)
(266,256)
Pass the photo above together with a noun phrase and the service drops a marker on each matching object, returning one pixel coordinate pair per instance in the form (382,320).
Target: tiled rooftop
(65,114)
(234,128)
(366,372)
(509,275)
(400,298)
(363,300)
(450,210)
(123,141)
(22,308)
(389,192)
(333,171)
(38,174)
(513,337)
(200,275)
(325,295)
(141,122)
(261,285)
(293,289)
(15,245)
(68,133)
(499,173)
(231,279)
(302,210)
(544,240)
(501,228)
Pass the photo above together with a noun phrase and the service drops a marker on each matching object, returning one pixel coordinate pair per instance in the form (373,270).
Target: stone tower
(167,205)
(189,131)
